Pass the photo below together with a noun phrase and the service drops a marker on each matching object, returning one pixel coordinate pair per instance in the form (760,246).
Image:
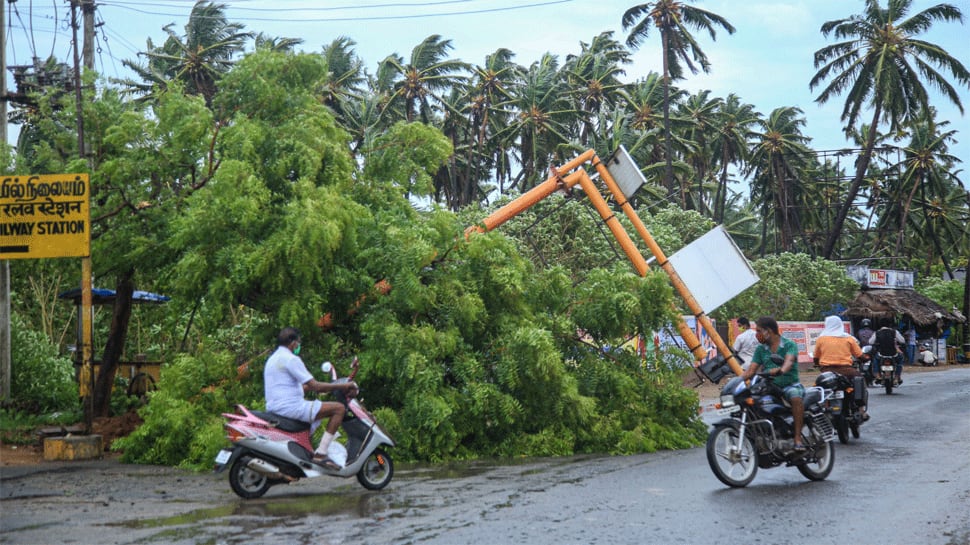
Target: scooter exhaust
(265,468)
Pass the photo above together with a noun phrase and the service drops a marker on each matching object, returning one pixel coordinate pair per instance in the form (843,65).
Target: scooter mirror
(326,367)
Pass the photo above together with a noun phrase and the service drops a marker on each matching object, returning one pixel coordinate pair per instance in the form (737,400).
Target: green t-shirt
(762,356)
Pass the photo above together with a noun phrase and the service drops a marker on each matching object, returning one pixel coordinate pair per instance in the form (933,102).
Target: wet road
(906,480)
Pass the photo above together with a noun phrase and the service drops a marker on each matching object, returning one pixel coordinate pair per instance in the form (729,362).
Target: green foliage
(946,293)
(182,423)
(792,287)
(41,380)
(19,427)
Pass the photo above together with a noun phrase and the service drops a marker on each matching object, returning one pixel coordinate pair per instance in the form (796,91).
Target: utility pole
(5,374)
(87,53)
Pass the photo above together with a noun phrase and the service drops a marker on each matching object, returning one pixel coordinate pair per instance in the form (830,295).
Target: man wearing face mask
(286,380)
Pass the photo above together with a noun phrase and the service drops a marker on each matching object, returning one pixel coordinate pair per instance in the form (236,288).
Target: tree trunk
(860,175)
(115,346)
(669,170)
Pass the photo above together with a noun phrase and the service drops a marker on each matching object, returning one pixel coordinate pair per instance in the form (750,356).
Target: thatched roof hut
(889,304)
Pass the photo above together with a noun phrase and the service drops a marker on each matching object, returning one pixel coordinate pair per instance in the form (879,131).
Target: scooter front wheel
(245,482)
(377,470)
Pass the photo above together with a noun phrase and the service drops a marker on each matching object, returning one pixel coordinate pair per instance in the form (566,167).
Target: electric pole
(5,374)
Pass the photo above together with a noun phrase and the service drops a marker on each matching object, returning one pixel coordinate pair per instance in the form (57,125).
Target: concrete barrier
(74,447)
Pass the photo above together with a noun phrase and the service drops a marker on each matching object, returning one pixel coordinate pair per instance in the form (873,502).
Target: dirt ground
(109,428)
(120,426)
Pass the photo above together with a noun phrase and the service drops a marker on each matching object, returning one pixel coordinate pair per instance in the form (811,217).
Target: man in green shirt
(784,376)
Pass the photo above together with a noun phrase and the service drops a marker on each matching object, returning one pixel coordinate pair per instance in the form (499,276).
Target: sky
(767,62)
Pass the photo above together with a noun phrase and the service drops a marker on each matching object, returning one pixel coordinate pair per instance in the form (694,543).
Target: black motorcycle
(843,399)
(885,371)
(758,430)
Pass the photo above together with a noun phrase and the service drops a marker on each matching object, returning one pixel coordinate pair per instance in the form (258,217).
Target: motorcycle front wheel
(734,463)
(245,482)
(377,470)
(824,459)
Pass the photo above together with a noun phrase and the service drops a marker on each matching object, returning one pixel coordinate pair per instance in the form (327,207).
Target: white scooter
(269,449)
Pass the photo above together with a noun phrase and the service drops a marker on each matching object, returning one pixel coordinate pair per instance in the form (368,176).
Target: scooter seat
(282,422)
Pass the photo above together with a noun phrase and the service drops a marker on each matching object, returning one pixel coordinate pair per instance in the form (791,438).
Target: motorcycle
(758,430)
(842,400)
(269,449)
(886,373)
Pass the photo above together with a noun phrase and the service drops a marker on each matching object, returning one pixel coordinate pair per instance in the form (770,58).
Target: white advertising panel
(714,269)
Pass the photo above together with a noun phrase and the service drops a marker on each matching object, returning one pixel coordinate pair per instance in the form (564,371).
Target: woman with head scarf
(834,351)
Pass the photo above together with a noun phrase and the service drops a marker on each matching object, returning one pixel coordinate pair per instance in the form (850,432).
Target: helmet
(866,322)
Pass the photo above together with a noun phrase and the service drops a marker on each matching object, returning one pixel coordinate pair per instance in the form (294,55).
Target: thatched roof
(890,304)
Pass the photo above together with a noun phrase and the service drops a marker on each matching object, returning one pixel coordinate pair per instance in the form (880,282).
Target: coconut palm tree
(700,113)
(196,59)
(594,78)
(543,122)
(673,19)
(779,160)
(734,127)
(925,162)
(428,76)
(883,65)
(488,110)
(345,78)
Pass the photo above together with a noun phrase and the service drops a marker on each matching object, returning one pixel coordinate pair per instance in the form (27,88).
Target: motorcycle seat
(282,422)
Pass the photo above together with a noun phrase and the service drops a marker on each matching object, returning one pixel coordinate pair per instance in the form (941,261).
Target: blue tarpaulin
(102,296)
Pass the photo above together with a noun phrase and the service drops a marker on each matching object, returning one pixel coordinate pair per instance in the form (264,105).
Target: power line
(350,19)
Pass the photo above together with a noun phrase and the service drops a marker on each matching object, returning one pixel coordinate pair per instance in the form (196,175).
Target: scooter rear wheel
(245,482)
(377,470)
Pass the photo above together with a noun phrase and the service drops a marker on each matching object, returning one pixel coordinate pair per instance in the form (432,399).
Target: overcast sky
(767,62)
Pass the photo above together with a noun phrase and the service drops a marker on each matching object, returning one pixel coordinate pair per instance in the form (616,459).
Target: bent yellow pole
(661,258)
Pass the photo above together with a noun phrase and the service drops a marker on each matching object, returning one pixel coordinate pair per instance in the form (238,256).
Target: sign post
(49,215)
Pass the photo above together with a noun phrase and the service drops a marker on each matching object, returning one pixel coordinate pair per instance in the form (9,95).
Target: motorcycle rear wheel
(734,465)
(854,427)
(819,469)
(842,428)
(377,470)
(245,482)
(888,383)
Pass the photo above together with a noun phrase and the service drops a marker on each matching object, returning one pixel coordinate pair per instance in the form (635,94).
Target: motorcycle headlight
(727,401)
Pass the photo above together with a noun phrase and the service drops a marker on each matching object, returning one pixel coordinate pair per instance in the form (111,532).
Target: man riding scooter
(287,379)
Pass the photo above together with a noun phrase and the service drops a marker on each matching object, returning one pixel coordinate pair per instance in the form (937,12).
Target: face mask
(296,351)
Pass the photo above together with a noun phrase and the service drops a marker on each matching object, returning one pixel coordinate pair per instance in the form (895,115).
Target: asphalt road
(905,481)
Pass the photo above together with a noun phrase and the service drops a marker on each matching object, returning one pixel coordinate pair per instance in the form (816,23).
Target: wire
(350,19)
(334,8)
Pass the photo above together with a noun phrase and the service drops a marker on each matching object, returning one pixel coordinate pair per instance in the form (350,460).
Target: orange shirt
(836,350)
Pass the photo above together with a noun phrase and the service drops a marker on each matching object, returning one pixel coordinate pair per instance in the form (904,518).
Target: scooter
(269,449)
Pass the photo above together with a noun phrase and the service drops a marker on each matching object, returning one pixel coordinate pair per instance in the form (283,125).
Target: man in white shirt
(746,342)
(286,380)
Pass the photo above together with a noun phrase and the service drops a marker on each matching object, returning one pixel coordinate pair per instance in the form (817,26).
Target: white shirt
(284,377)
(745,344)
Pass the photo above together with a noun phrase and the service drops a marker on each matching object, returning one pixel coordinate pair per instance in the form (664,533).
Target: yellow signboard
(45,216)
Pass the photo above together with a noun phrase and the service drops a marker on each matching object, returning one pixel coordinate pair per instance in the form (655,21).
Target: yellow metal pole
(661,258)
(86,384)
(632,253)
(529,198)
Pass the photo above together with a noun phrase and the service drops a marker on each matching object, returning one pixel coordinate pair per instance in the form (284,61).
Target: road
(905,481)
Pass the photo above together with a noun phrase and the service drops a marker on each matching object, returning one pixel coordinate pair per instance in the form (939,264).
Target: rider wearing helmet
(865,332)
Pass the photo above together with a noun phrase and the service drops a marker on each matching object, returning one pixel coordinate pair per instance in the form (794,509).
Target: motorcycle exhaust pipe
(269,470)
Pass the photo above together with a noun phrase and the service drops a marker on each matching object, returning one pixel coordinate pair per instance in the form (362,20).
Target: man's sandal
(324,461)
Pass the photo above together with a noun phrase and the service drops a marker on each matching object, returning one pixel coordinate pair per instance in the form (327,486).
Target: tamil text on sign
(45,216)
